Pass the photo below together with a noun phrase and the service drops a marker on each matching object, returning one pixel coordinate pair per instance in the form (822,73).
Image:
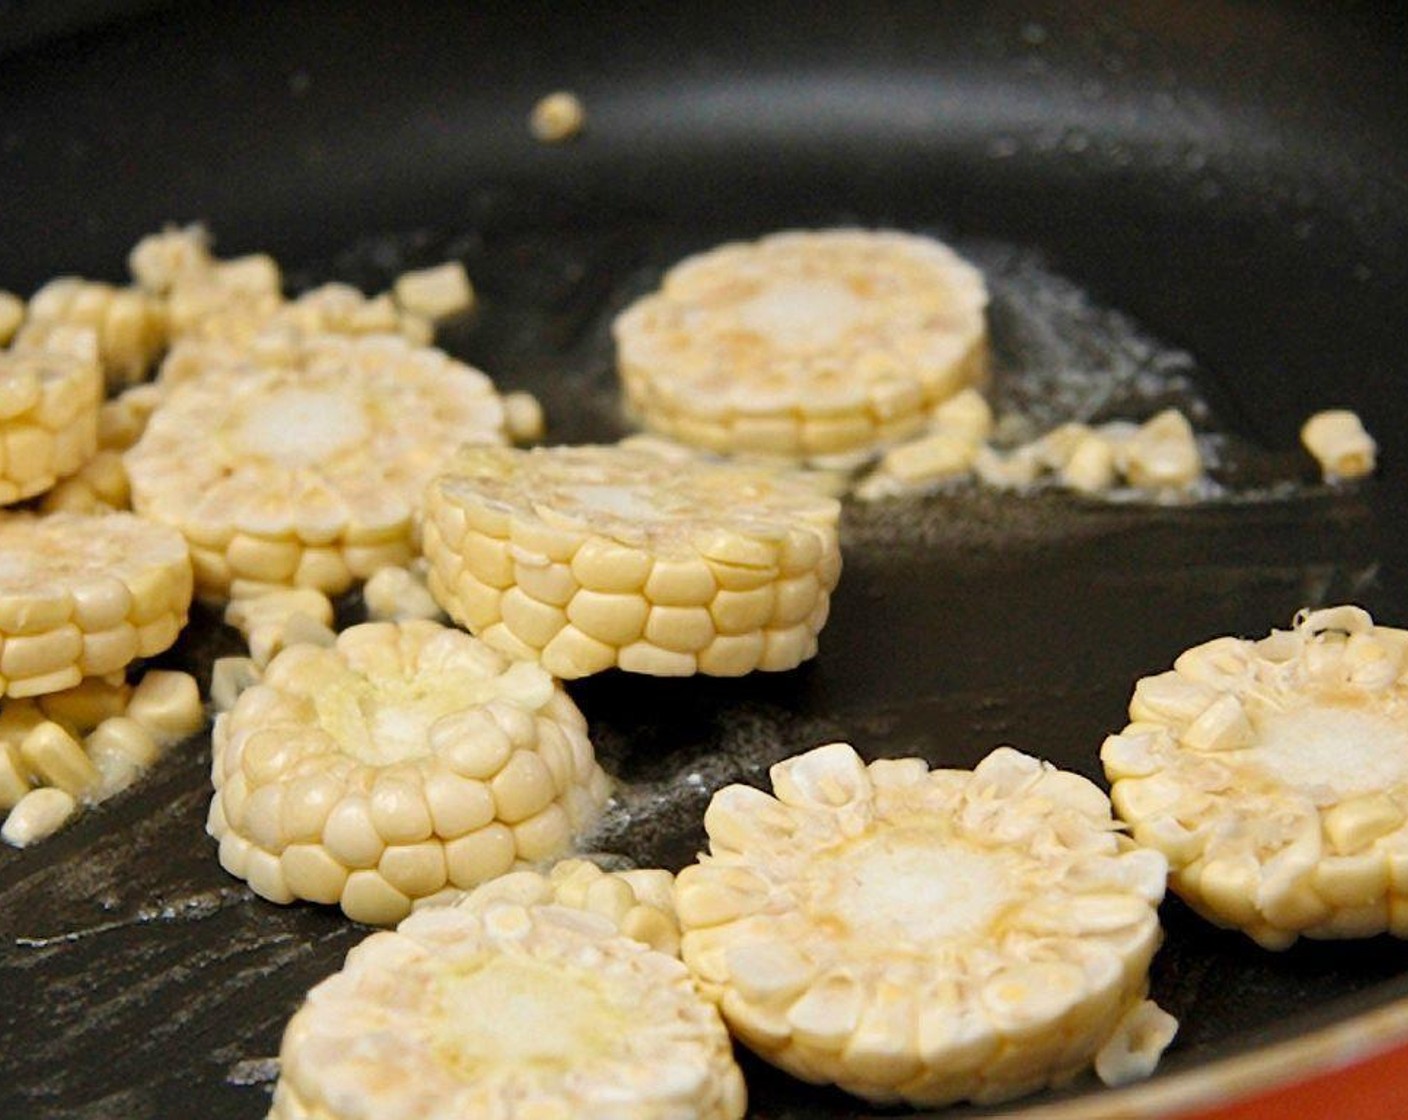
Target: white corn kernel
(435,293)
(38,815)
(557,117)
(1337,439)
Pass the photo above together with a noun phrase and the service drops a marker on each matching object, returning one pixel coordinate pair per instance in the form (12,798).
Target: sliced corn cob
(48,413)
(307,474)
(130,325)
(11,316)
(558,117)
(917,935)
(804,343)
(1273,774)
(1337,439)
(513,1013)
(83,596)
(587,558)
(639,903)
(86,743)
(435,293)
(406,757)
(396,593)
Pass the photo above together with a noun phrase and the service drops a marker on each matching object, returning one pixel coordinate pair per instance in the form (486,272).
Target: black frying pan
(1229,176)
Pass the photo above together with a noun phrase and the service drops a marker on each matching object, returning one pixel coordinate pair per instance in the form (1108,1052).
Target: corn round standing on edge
(1337,439)
(307,473)
(83,596)
(804,343)
(925,935)
(404,758)
(510,1013)
(639,903)
(585,558)
(1273,774)
(49,401)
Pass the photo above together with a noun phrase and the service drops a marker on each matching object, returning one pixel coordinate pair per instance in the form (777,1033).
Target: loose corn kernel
(523,417)
(39,814)
(591,557)
(11,316)
(49,402)
(435,293)
(272,619)
(1337,439)
(449,1011)
(397,593)
(405,757)
(804,343)
(85,595)
(876,926)
(307,474)
(557,117)
(1274,776)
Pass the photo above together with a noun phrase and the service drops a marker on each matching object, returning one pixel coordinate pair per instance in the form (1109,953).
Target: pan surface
(1198,202)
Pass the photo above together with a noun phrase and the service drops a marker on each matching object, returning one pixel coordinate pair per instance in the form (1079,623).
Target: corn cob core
(1273,774)
(406,758)
(917,935)
(49,401)
(85,595)
(514,1011)
(640,902)
(804,343)
(307,473)
(587,558)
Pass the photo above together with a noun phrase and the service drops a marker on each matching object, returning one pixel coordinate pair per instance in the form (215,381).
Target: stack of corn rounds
(804,343)
(307,471)
(586,558)
(1273,774)
(507,1011)
(926,936)
(49,401)
(405,758)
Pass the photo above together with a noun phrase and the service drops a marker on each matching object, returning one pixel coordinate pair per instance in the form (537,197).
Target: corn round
(639,903)
(307,472)
(85,595)
(587,558)
(804,343)
(510,1013)
(917,935)
(49,401)
(1273,774)
(406,758)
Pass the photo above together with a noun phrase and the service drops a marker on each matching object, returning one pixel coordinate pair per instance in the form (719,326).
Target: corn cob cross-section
(49,401)
(1273,774)
(592,557)
(83,596)
(923,935)
(406,758)
(509,1013)
(307,472)
(804,343)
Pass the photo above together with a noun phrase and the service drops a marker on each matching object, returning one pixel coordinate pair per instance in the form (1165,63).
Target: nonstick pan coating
(1200,189)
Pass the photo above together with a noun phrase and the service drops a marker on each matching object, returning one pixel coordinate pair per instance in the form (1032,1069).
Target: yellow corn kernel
(1337,439)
